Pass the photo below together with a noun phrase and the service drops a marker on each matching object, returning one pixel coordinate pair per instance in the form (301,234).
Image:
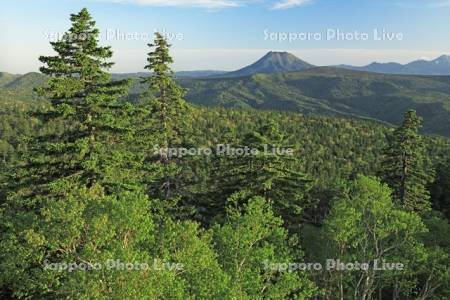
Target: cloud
(212,4)
(285,4)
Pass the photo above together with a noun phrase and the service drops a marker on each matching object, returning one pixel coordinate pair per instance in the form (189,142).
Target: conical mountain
(272,62)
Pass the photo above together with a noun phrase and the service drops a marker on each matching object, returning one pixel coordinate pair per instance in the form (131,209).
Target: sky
(229,34)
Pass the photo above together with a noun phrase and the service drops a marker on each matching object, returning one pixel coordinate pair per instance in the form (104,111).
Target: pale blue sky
(227,34)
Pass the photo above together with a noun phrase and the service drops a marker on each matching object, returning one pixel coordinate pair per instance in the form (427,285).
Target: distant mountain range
(438,66)
(200,73)
(184,74)
(278,62)
(280,81)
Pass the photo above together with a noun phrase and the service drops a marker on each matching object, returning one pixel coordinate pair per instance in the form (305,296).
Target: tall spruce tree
(406,166)
(91,122)
(73,198)
(164,121)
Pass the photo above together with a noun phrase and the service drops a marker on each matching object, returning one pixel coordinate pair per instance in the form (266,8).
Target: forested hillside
(157,198)
(17,90)
(323,91)
(333,92)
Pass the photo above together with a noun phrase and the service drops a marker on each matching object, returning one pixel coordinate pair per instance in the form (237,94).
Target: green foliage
(366,226)
(325,91)
(269,170)
(68,197)
(407,169)
(164,96)
(440,189)
(201,276)
(162,121)
(90,122)
(332,91)
(86,227)
(433,273)
(251,238)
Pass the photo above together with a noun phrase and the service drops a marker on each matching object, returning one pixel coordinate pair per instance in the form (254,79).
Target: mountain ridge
(437,66)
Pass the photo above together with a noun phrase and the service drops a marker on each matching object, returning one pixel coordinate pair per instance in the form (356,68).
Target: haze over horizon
(229,34)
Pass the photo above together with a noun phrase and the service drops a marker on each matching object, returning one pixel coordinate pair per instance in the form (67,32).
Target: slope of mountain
(17,90)
(27,80)
(333,91)
(272,62)
(388,68)
(325,91)
(438,66)
(6,78)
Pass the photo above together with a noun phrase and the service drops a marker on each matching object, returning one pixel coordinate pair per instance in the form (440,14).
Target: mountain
(333,91)
(438,66)
(387,68)
(272,62)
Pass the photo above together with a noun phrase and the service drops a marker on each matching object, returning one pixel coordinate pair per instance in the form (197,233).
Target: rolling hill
(17,90)
(6,78)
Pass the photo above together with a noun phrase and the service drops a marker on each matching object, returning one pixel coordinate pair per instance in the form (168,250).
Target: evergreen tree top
(159,60)
(80,66)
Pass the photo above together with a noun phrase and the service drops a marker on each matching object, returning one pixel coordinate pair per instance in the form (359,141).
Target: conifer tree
(440,189)
(90,121)
(406,166)
(73,199)
(164,119)
(273,175)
